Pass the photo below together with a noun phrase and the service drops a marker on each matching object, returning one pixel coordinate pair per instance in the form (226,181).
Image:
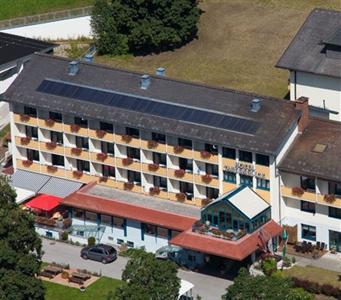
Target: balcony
(107,181)
(129,186)
(179,174)
(102,158)
(46,222)
(158,192)
(101,135)
(206,157)
(153,146)
(79,176)
(76,130)
(53,170)
(27,142)
(77,153)
(228,163)
(180,151)
(52,148)
(50,125)
(154,169)
(228,186)
(25,119)
(127,140)
(128,163)
(264,170)
(207,180)
(28,165)
(178,197)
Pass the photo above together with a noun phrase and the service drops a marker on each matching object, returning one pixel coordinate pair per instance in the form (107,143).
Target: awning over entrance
(236,250)
(45,203)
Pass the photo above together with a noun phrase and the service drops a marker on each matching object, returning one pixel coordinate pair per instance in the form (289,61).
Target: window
(228,219)
(57,117)
(245,156)
(120,241)
(308,232)
(212,169)
(133,132)
(334,212)
(118,222)
(78,213)
(31,132)
(246,180)
(162,232)
(334,188)
(229,177)
(229,153)
(150,229)
(108,171)
(159,159)
(106,127)
(108,148)
(57,160)
(308,183)
(158,137)
(187,188)
(262,159)
(134,177)
(130,244)
(211,148)
(81,122)
(160,182)
(308,206)
(56,137)
(106,220)
(185,143)
(30,111)
(90,216)
(263,184)
(186,164)
(83,165)
(221,217)
(32,155)
(82,142)
(212,193)
(133,153)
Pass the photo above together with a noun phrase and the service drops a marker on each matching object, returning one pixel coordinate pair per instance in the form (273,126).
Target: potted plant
(153,167)
(51,145)
(102,156)
(76,151)
(180,196)
(178,149)
(206,201)
(127,161)
(74,127)
(207,178)
(297,191)
(65,275)
(49,122)
(205,154)
(24,118)
(100,133)
(154,190)
(52,168)
(103,179)
(77,173)
(27,163)
(25,140)
(82,288)
(330,198)
(179,173)
(152,144)
(128,185)
(126,138)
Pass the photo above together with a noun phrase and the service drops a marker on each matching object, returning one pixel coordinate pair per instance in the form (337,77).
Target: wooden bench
(76,280)
(46,274)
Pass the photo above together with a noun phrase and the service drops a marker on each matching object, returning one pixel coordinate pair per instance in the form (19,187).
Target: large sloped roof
(307,52)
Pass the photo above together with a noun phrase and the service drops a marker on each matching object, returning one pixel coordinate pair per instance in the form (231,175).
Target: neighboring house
(314,61)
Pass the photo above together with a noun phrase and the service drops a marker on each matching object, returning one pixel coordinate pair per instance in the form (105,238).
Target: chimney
(73,68)
(255,105)
(88,58)
(161,71)
(302,104)
(145,81)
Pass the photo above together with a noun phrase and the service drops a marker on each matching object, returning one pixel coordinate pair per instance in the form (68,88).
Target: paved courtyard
(208,287)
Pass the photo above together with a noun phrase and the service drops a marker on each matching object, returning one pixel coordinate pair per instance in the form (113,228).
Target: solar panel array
(147,106)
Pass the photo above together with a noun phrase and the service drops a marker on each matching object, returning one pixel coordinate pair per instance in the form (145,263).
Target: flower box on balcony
(330,198)
(25,140)
(74,127)
(180,196)
(179,173)
(152,144)
(206,201)
(49,122)
(103,179)
(52,168)
(76,151)
(207,178)
(153,167)
(128,185)
(297,191)
(127,161)
(77,173)
(178,149)
(24,118)
(100,133)
(27,163)
(154,190)
(101,156)
(51,145)
(127,138)
(205,154)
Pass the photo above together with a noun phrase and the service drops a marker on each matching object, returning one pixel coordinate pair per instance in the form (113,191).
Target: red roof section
(128,211)
(237,250)
(44,202)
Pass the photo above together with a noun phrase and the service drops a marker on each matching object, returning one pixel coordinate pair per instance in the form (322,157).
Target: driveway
(208,287)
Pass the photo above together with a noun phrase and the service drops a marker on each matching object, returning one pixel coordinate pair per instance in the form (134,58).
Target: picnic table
(53,270)
(81,276)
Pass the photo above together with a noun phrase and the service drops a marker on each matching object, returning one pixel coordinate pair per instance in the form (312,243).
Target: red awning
(44,203)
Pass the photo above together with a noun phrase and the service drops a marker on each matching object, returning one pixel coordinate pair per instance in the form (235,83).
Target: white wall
(64,29)
(318,88)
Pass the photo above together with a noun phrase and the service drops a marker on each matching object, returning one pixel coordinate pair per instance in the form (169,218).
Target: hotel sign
(244,169)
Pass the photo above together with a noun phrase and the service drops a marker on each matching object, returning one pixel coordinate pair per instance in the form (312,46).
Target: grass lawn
(322,276)
(18,8)
(239,43)
(97,291)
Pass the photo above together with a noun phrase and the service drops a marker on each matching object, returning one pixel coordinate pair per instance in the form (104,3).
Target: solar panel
(147,106)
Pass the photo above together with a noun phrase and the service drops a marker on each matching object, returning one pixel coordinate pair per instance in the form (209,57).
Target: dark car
(99,252)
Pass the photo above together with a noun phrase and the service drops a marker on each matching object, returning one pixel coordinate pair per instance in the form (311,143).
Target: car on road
(99,252)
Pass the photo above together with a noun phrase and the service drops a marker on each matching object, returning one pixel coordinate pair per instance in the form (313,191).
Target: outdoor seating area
(307,249)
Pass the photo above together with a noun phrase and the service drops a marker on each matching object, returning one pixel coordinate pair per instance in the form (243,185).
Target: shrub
(65,275)
(91,241)
(286,262)
(293,259)
(269,266)
(65,236)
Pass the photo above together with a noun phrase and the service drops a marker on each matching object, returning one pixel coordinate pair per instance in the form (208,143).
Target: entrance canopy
(44,203)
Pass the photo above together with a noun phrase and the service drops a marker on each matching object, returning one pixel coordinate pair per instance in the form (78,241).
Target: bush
(269,266)
(65,236)
(286,262)
(91,241)
(293,259)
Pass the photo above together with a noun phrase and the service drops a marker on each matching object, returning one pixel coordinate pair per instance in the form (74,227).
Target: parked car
(99,252)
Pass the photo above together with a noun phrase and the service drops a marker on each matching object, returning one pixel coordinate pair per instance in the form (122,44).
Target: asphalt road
(208,287)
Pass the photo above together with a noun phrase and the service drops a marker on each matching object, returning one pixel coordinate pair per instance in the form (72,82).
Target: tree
(143,26)
(147,278)
(20,250)
(271,287)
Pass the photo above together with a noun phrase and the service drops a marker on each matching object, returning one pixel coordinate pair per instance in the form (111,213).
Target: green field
(239,43)
(97,291)
(19,8)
